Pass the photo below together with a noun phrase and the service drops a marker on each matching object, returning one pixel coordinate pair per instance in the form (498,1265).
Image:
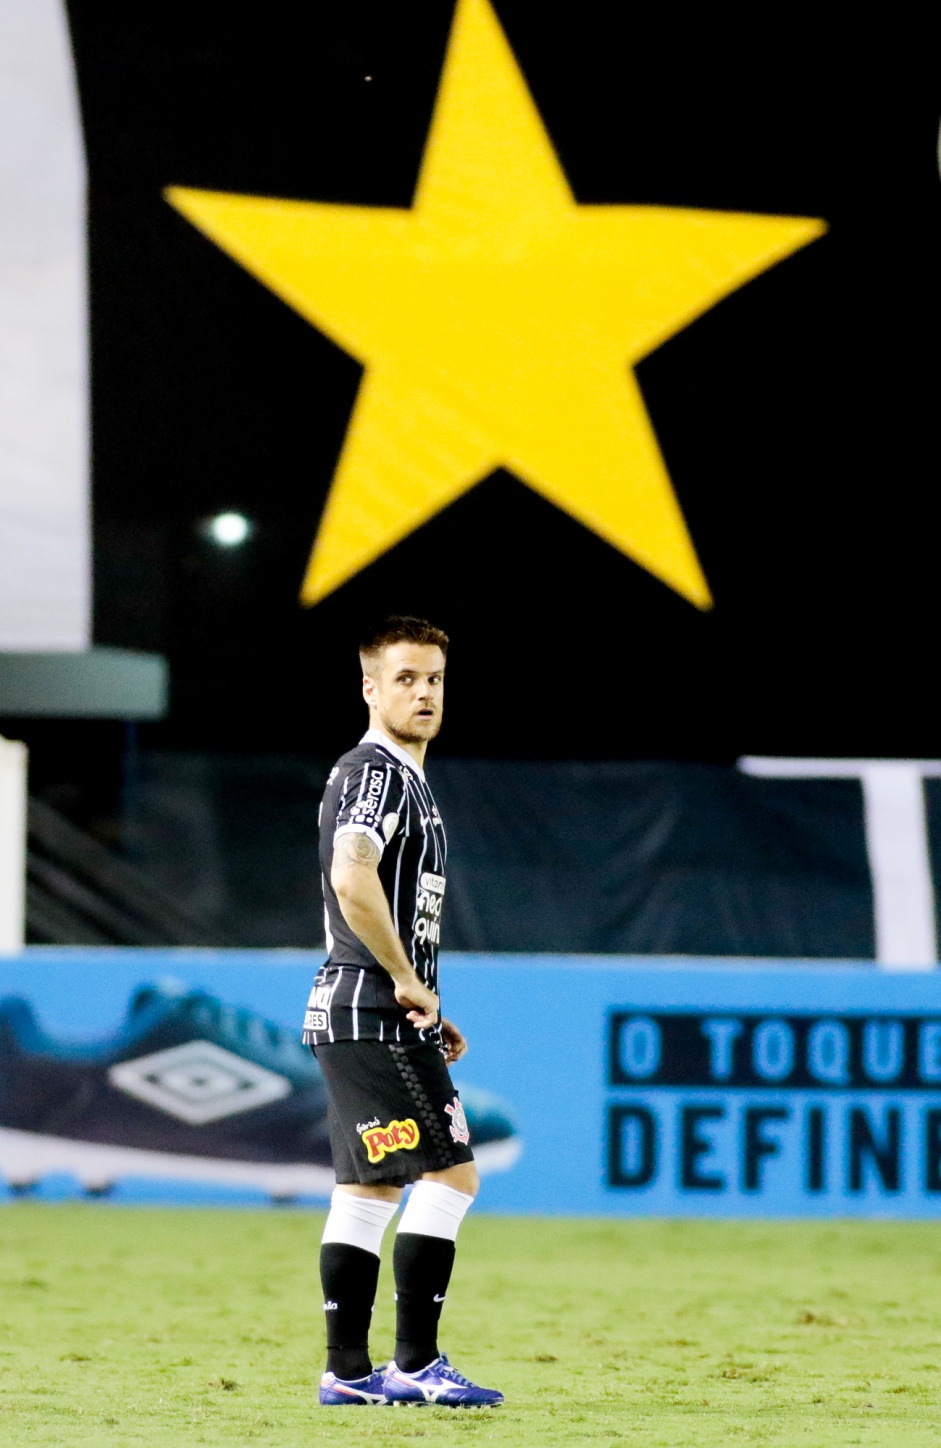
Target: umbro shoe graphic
(438,1384)
(188,1088)
(359,1393)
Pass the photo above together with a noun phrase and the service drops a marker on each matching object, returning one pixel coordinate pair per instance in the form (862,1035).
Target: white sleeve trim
(361,830)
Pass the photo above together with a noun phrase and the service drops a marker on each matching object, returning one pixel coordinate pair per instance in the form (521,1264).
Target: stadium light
(227,530)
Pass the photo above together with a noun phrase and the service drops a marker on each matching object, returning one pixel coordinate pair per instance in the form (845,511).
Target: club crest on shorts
(379,1141)
(458,1128)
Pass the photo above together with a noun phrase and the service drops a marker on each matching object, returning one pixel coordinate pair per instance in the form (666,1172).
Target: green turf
(122,1326)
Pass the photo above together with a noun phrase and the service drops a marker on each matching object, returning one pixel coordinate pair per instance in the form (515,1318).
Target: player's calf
(349,1273)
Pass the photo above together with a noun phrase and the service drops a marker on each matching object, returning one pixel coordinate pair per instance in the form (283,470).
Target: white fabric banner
(896,842)
(12,844)
(44,504)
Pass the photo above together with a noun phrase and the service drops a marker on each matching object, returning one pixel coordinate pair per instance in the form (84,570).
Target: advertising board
(600,1085)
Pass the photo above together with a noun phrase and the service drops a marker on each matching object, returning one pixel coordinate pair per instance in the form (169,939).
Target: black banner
(763,1050)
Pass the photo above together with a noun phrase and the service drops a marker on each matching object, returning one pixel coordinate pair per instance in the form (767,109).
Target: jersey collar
(379,736)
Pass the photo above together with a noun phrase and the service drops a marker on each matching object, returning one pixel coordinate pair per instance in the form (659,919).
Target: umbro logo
(198,1082)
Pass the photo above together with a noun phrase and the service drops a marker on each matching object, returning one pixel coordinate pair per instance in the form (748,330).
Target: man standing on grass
(381,1043)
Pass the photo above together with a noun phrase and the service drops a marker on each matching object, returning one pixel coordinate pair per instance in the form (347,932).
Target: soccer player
(384,1049)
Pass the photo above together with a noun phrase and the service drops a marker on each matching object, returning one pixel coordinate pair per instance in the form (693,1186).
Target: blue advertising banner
(603,1086)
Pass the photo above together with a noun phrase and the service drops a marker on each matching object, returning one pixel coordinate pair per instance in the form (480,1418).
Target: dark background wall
(647,857)
(797,418)
(798,421)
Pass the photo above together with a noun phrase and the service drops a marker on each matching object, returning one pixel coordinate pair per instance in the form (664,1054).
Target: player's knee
(462,1178)
(472,1179)
(380,1190)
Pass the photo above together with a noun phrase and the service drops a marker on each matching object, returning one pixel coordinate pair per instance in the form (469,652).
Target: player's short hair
(399,629)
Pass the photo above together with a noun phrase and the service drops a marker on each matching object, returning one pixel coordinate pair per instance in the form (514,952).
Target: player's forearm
(366,911)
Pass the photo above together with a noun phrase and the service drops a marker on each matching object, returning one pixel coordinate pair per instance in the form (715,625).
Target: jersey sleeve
(371,802)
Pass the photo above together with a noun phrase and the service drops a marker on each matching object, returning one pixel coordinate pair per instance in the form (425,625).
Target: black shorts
(394,1112)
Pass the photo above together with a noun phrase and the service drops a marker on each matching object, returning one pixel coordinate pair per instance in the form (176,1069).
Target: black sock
(422,1267)
(349,1277)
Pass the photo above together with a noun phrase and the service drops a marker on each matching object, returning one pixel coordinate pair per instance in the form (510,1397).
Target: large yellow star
(496,320)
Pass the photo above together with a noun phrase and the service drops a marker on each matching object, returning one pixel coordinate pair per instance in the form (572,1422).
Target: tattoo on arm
(355,849)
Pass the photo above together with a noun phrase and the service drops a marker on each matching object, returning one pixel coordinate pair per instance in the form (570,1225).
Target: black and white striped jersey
(378,790)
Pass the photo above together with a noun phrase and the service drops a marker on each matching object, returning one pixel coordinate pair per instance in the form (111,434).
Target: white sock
(358,1221)
(434,1210)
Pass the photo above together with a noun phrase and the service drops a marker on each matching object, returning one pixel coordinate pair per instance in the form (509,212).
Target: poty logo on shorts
(397,1136)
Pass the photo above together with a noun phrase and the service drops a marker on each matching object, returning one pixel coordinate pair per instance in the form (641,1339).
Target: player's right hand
(420,1002)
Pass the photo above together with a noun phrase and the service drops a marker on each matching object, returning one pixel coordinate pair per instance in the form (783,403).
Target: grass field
(123,1326)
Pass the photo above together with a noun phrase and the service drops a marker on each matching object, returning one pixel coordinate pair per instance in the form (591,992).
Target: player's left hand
(454,1043)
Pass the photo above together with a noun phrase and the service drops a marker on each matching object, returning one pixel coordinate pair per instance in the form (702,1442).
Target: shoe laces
(452,1374)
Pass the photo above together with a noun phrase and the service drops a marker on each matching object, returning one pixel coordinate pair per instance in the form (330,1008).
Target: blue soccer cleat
(366,1392)
(438,1383)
